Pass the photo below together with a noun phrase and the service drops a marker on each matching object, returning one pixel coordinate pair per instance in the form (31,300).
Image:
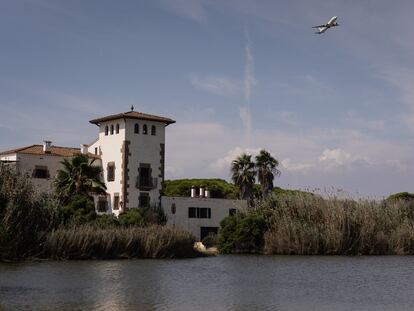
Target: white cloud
(337,156)
(219,85)
(224,163)
(291,166)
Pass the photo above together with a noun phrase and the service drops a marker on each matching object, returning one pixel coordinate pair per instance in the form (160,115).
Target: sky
(336,110)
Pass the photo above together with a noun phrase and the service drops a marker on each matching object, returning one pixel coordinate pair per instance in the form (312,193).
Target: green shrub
(403,196)
(218,188)
(106,221)
(80,209)
(210,240)
(143,217)
(131,217)
(242,233)
(153,216)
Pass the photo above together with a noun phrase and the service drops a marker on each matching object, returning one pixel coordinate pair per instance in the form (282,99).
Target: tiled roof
(133,115)
(54,151)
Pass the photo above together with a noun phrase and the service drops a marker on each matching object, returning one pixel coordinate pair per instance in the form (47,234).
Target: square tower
(131,146)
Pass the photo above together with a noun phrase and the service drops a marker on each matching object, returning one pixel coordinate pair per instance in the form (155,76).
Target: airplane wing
(319,26)
(321,30)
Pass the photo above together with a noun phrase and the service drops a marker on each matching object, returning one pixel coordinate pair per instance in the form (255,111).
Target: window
(136,128)
(111,171)
(41,172)
(112,129)
(144,177)
(192,212)
(96,150)
(145,129)
(102,205)
(117,128)
(116,202)
(143,199)
(106,130)
(232,211)
(199,212)
(153,130)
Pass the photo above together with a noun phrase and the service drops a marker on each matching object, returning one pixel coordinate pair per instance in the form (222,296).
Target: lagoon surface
(241,283)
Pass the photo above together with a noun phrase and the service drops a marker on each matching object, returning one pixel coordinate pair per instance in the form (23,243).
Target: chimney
(47,144)
(193,192)
(201,191)
(84,148)
(207,193)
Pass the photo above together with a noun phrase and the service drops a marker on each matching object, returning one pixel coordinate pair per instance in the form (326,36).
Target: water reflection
(237,283)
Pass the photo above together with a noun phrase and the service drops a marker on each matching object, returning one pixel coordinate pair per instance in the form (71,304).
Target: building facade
(40,162)
(131,147)
(199,214)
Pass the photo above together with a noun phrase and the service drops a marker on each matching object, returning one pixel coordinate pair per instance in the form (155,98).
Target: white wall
(27,163)
(109,149)
(219,210)
(142,149)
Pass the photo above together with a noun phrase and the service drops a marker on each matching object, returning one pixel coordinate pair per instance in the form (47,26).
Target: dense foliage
(25,217)
(244,172)
(403,196)
(304,224)
(79,209)
(242,233)
(39,225)
(266,167)
(218,188)
(79,176)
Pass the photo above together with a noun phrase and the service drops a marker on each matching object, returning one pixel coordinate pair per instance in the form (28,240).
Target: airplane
(331,23)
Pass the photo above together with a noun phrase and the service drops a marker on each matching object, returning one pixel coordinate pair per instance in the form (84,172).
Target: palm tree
(266,171)
(78,176)
(243,175)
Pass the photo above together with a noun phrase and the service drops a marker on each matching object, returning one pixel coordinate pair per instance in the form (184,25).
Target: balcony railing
(146,184)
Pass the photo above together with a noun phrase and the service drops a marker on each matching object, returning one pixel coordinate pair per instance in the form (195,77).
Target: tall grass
(88,242)
(311,225)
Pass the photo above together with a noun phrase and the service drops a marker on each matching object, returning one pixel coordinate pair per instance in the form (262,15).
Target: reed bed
(311,225)
(87,242)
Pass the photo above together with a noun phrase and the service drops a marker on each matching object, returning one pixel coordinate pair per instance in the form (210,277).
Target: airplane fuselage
(331,23)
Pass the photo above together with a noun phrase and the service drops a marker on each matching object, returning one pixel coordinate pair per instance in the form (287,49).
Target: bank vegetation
(303,224)
(52,226)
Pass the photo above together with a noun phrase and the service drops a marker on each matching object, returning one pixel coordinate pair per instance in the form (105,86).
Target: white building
(199,215)
(40,162)
(130,148)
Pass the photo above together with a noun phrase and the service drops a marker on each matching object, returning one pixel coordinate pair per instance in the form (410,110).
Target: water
(242,283)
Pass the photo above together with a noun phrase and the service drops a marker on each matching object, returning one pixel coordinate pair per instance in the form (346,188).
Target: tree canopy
(79,176)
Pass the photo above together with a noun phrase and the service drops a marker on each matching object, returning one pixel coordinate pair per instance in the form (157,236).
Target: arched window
(153,130)
(136,129)
(145,129)
(112,129)
(117,128)
(106,130)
